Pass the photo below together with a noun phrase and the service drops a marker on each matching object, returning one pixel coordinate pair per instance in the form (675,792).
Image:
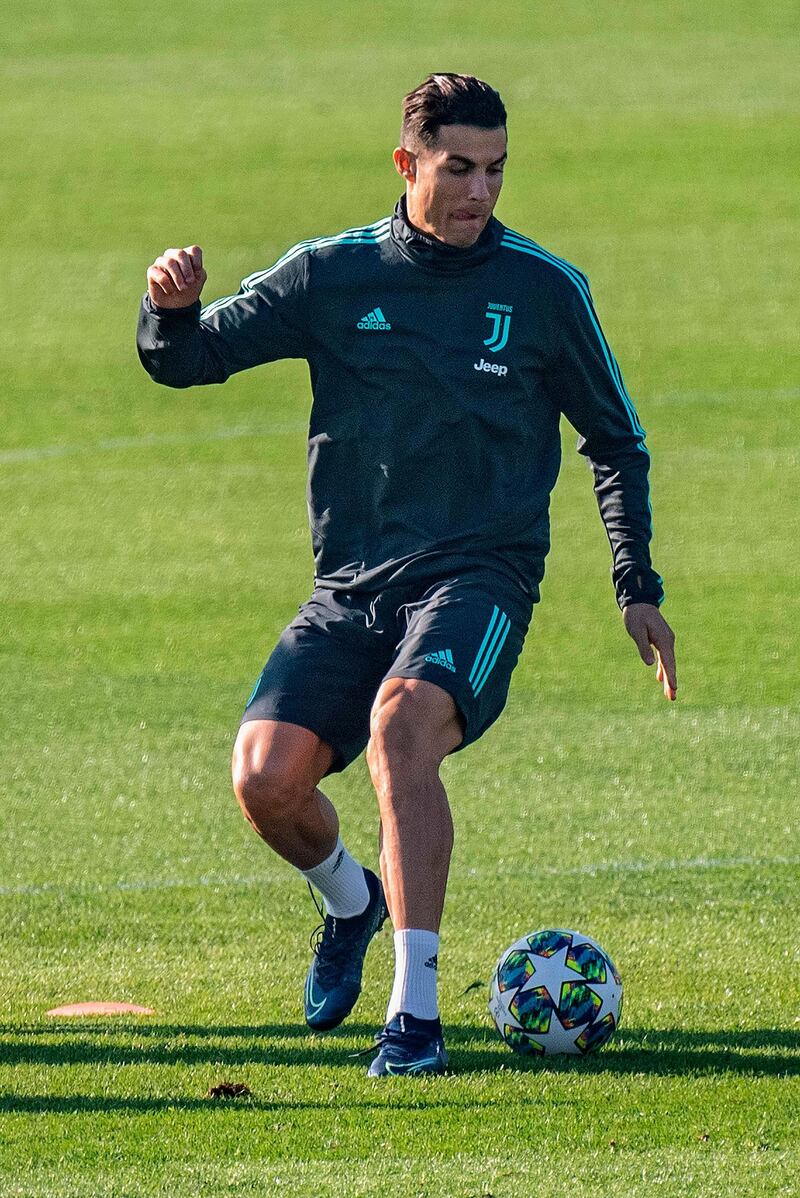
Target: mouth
(469,217)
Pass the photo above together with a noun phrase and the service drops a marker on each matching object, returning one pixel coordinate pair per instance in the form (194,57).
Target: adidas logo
(442,657)
(374,321)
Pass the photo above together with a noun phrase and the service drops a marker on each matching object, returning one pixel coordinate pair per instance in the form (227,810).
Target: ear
(405,163)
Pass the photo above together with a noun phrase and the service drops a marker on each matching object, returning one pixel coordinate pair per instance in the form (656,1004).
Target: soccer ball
(555,991)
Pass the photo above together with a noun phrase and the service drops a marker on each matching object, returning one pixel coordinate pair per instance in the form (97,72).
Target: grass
(154,544)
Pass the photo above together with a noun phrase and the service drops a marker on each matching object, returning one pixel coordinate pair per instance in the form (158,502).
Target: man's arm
(587,385)
(181,345)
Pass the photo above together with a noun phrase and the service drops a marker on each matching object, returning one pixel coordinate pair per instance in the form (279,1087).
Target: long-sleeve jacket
(439,377)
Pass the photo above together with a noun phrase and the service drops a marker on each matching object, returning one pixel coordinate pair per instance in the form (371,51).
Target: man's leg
(447,684)
(415,724)
(276,768)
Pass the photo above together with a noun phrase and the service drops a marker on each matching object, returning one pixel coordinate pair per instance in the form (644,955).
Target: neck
(417,219)
(425,249)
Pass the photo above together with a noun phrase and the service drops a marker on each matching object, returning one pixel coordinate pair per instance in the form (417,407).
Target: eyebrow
(469,162)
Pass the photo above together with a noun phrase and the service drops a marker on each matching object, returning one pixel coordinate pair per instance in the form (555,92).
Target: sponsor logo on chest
(491,367)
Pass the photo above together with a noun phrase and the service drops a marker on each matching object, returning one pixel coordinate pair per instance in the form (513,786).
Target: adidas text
(491,367)
(443,657)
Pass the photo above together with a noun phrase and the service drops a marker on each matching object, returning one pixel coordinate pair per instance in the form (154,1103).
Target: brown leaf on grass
(229,1090)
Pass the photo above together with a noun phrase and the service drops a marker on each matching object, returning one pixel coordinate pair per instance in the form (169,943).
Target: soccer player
(443,349)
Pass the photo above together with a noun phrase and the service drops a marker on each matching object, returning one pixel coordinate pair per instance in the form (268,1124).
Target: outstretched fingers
(655,641)
(666,670)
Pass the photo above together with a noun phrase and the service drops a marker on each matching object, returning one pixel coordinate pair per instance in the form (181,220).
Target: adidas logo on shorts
(442,657)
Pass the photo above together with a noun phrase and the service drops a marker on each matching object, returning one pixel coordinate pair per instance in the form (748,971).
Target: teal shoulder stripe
(524,246)
(367,233)
(580,280)
(363,235)
(580,277)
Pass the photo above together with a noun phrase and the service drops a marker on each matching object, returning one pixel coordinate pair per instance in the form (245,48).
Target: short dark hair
(449,100)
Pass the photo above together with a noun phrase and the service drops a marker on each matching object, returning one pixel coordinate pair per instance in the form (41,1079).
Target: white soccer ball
(555,991)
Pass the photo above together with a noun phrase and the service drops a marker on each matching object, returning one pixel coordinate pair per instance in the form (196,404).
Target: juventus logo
(500,316)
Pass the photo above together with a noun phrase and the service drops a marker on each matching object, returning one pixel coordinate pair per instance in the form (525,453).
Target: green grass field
(154,543)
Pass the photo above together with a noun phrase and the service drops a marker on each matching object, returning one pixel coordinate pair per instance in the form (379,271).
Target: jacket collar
(432,254)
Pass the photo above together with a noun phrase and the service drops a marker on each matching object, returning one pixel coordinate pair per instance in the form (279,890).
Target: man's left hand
(651,631)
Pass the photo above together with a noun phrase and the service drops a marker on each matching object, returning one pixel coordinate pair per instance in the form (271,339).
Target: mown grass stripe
(234,881)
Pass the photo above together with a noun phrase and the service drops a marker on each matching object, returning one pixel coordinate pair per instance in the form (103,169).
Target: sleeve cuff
(639,586)
(189,312)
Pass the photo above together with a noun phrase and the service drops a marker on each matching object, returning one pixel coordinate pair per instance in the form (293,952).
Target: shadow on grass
(78,1104)
(475,1048)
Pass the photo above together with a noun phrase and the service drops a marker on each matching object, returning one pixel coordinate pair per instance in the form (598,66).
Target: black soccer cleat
(333,982)
(409,1047)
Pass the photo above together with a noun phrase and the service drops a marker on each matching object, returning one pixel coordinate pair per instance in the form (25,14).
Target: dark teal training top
(439,376)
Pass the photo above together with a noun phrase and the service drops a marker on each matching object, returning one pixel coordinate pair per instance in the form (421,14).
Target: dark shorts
(463,633)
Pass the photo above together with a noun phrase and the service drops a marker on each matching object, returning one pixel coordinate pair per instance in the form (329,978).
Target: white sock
(341,882)
(415,965)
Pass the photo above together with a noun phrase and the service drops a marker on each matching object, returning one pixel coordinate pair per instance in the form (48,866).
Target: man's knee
(412,720)
(395,726)
(266,791)
(275,769)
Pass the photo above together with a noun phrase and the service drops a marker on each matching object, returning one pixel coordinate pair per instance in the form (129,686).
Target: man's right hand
(176,278)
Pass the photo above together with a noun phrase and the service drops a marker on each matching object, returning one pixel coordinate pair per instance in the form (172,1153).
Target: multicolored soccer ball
(555,991)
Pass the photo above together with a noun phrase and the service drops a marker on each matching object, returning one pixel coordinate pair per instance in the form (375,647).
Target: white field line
(41,453)
(235,880)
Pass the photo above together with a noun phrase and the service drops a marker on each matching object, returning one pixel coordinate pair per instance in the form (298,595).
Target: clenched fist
(176,278)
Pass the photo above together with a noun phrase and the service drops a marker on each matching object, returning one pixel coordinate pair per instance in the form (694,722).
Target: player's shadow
(93,1042)
(383,1097)
(666,1052)
(472,1048)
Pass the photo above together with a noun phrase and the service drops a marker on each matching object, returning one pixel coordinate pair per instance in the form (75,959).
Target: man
(443,349)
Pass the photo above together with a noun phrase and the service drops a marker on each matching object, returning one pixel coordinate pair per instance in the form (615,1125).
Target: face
(453,185)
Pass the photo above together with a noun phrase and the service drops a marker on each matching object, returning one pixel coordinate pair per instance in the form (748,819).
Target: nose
(479,189)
